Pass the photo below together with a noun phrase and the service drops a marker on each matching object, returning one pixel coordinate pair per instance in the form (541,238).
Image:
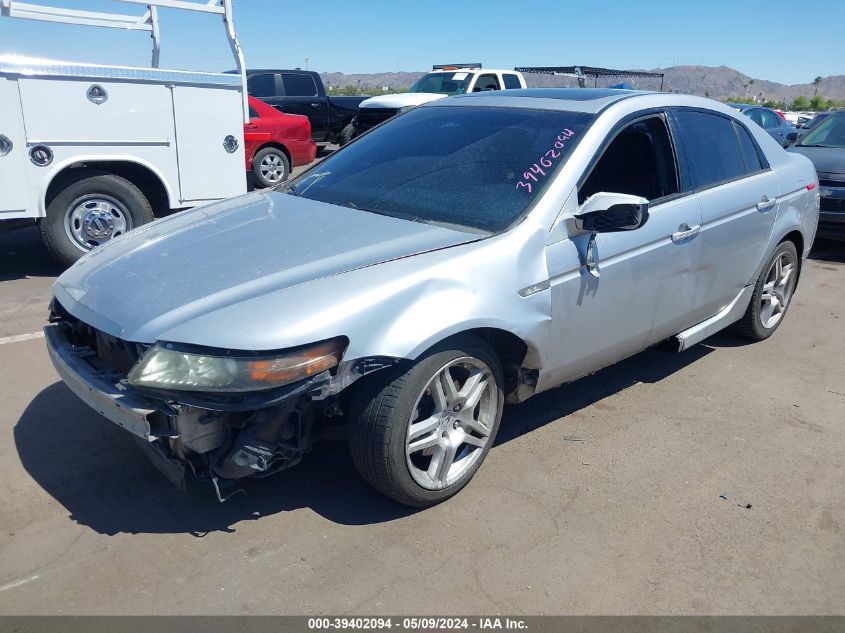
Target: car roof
(589,100)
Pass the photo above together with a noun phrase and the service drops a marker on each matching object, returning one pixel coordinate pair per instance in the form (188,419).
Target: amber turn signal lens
(296,366)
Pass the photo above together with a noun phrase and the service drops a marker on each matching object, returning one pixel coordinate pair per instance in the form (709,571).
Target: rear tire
(452,432)
(270,166)
(772,294)
(91,209)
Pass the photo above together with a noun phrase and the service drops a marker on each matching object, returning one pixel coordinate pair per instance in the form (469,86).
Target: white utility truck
(444,80)
(91,151)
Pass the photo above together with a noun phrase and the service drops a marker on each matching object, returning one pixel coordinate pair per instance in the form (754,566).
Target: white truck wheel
(90,210)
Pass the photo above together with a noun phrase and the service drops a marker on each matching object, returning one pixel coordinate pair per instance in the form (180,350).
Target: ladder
(148,21)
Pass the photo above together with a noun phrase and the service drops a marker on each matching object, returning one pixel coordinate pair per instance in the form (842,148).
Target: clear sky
(761,38)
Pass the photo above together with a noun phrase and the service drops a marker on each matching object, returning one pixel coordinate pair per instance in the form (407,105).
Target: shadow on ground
(95,470)
(828,251)
(23,254)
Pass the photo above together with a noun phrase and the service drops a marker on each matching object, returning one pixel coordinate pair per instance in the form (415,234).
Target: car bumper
(139,416)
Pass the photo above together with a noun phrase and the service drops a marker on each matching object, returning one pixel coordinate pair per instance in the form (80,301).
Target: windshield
(443,83)
(474,167)
(829,133)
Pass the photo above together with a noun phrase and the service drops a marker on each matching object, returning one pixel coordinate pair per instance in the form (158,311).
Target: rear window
(476,168)
(299,85)
(712,148)
(448,83)
(263,85)
(511,82)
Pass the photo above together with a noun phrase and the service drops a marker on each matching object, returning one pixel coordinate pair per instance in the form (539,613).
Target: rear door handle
(766,204)
(316,105)
(687,234)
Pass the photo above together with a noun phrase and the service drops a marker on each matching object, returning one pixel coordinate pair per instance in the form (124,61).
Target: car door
(738,194)
(302,96)
(646,288)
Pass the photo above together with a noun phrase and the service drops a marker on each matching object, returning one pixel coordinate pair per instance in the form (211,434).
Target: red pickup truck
(274,142)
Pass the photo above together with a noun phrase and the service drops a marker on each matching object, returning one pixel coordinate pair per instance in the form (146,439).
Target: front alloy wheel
(451,423)
(418,433)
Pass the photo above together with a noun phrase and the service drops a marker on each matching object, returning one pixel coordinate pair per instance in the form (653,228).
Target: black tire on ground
(346,134)
(751,325)
(88,183)
(381,412)
(283,163)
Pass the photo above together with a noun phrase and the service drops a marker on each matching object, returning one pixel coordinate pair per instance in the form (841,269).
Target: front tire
(419,433)
(772,294)
(90,210)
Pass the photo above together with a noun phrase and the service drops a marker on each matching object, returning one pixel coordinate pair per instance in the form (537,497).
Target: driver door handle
(766,203)
(686,234)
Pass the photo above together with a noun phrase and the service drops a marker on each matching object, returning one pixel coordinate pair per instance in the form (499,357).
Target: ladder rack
(147,21)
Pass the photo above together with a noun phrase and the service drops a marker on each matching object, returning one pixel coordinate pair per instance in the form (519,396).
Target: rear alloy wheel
(772,294)
(270,167)
(421,433)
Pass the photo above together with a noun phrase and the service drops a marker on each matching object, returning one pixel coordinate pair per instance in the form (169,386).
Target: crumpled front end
(214,438)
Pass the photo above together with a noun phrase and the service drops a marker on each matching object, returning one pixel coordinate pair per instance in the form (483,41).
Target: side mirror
(611,212)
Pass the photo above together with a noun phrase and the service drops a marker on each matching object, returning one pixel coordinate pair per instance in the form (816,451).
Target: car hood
(828,160)
(167,273)
(401,100)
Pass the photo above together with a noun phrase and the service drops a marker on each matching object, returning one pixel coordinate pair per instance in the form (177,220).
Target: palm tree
(816,83)
(748,85)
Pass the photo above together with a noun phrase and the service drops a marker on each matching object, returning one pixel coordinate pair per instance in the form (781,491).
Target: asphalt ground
(707,482)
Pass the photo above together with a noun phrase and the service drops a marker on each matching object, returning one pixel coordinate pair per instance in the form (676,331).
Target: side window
(253,114)
(770,119)
(486,82)
(511,81)
(750,156)
(263,85)
(639,161)
(712,148)
(755,115)
(299,85)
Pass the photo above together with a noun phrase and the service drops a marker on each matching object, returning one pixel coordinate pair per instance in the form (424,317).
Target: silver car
(467,254)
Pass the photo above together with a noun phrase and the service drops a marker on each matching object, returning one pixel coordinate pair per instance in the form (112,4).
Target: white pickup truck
(91,151)
(443,81)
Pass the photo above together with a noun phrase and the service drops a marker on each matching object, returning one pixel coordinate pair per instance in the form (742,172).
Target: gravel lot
(602,496)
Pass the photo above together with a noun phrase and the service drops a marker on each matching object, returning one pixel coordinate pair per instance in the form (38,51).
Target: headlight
(405,109)
(164,367)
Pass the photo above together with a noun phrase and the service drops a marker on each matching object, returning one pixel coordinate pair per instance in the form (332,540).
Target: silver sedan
(469,253)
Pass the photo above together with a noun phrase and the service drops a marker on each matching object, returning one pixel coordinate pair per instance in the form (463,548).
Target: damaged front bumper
(194,436)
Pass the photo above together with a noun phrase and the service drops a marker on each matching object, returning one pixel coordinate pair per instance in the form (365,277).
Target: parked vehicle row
(302,92)
(471,252)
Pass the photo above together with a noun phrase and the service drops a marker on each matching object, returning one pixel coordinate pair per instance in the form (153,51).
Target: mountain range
(717,82)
